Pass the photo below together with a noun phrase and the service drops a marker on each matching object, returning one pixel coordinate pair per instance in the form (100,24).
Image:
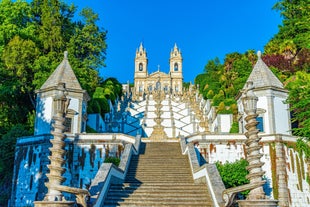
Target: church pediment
(159,74)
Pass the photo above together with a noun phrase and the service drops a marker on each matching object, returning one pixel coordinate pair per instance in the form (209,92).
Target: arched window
(176,67)
(140,66)
(176,88)
(158,86)
(166,88)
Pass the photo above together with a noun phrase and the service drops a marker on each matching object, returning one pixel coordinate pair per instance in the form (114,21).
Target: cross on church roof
(158,66)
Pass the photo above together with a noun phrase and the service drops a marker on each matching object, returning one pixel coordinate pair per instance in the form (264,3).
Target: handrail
(210,175)
(136,128)
(230,193)
(206,174)
(81,194)
(108,173)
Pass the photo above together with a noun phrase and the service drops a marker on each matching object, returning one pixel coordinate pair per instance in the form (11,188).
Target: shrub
(114,160)
(234,174)
(234,127)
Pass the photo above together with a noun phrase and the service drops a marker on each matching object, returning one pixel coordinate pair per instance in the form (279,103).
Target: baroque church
(167,140)
(169,83)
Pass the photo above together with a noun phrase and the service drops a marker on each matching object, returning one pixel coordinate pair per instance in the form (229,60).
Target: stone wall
(298,186)
(30,167)
(84,156)
(285,169)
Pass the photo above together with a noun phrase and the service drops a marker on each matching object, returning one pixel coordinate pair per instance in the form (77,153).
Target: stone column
(57,150)
(158,133)
(281,173)
(271,114)
(256,196)
(253,148)
(54,196)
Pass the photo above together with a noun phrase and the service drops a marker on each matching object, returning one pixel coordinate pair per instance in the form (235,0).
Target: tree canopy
(287,54)
(33,36)
(109,90)
(221,82)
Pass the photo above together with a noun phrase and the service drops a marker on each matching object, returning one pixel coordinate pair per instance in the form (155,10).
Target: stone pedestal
(54,204)
(258,203)
(158,133)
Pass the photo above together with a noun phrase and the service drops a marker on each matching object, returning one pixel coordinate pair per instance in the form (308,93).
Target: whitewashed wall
(43,115)
(282,119)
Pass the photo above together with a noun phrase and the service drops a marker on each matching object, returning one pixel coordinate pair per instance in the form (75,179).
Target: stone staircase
(159,176)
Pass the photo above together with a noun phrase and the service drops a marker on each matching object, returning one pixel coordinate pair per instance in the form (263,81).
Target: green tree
(299,100)
(209,79)
(115,86)
(33,36)
(87,49)
(7,151)
(241,69)
(223,81)
(15,19)
(234,127)
(19,56)
(49,25)
(109,90)
(295,26)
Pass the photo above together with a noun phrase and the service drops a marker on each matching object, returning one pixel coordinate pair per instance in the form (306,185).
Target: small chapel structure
(273,111)
(46,107)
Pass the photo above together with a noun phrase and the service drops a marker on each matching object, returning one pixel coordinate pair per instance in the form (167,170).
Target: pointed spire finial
(141,46)
(259,54)
(175,45)
(66,55)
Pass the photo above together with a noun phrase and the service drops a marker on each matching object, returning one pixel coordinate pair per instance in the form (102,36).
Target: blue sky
(202,29)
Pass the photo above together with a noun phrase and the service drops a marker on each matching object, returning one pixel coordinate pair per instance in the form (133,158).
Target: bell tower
(176,69)
(140,69)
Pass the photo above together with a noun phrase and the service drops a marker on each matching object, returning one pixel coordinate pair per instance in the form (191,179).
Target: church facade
(158,81)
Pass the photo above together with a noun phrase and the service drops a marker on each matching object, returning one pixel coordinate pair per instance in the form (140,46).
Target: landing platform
(160,140)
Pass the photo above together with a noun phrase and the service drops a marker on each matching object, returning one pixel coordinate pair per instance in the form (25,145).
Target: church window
(140,66)
(140,89)
(176,67)
(158,85)
(150,88)
(260,125)
(166,88)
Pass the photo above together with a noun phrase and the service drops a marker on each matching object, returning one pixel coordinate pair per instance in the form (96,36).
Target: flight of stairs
(159,176)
